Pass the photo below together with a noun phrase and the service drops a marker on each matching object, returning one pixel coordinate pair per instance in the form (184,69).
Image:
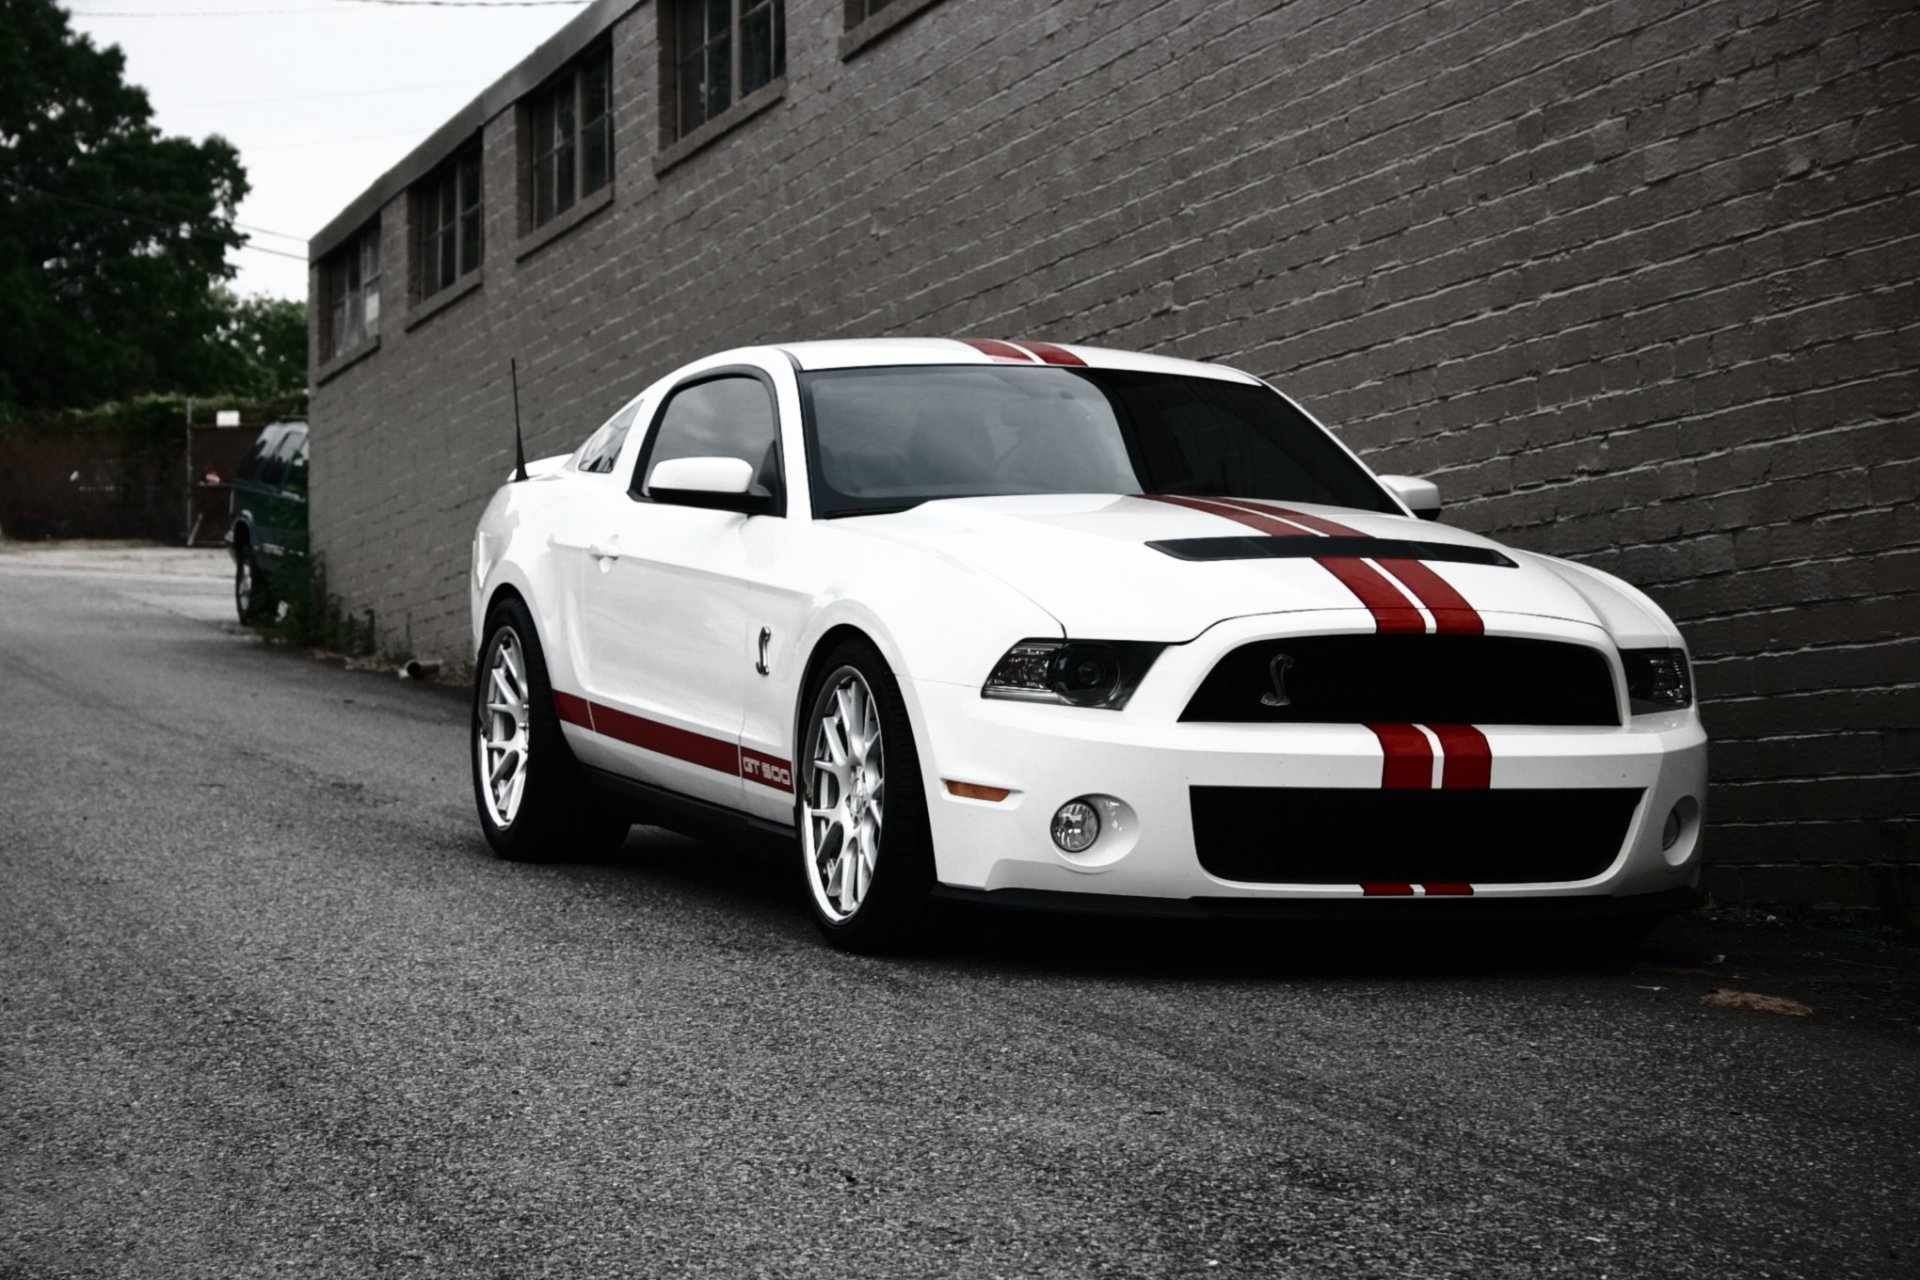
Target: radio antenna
(519,445)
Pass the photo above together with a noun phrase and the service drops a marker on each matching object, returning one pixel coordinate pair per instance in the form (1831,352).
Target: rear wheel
(866,850)
(534,805)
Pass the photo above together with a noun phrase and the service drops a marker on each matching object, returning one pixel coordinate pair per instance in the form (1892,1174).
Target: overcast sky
(320,96)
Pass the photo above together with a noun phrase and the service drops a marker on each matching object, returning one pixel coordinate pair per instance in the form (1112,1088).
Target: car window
(602,448)
(262,445)
(273,472)
(296,481)
(888,438)
(727,417)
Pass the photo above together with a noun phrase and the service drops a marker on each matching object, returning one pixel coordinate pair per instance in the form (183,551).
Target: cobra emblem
(1278,670)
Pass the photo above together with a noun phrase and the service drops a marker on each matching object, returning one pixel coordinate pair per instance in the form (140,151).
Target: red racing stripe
(1448,890)
(1452,615)
(1052,354)
(1392,613)
(1387,890)
(1468,761)
(573,709)
(1409,758)
(667,740)
(999,350)
(682,744)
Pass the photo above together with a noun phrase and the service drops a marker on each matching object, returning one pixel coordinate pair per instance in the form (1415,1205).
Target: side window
(262,446)
(296,481)
(602,448)
(728,417)
(274,472)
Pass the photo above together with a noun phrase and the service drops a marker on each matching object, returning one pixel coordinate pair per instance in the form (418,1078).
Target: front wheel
(866,850)
(250,597)
(534,806)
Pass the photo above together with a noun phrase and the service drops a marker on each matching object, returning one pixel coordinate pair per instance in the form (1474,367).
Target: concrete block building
(1633,280)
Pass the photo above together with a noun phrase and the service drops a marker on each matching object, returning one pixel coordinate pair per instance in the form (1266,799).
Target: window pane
(693,92)
(724,418)
(756,49)
(594,159)
(593,91)
(470,182)
(690,27)
(372,307)
(471,242)
(543,208)
(563,186)
(719,76)
(719,17)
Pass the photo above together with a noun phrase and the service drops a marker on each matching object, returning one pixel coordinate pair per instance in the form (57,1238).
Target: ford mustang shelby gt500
(1038,624)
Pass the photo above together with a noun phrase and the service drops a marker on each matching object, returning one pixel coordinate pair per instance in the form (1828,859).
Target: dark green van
(268,515)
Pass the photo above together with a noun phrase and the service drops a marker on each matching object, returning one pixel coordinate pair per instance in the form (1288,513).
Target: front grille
(1408,680)
(1316,835)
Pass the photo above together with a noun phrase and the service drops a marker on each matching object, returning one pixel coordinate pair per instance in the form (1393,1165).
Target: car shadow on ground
(762,888)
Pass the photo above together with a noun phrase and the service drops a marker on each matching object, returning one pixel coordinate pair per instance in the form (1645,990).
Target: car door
(665,596)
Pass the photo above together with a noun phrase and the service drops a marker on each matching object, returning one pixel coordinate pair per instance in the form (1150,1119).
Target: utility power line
(17,185)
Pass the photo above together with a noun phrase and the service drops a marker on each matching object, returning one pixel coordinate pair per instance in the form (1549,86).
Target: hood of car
(1168,568)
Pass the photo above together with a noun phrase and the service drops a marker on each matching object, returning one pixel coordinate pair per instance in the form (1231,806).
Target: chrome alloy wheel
(846,783)
(502,737)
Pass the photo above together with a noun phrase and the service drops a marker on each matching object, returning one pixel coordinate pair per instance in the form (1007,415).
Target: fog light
(1076,826)
(1671,832)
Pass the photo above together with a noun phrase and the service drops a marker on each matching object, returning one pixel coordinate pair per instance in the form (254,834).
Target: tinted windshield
(885,439)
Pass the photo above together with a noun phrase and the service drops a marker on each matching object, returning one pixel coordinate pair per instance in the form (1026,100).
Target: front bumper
(1143,763)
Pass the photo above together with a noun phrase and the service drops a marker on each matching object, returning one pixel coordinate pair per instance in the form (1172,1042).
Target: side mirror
(1421,496)
(725,484)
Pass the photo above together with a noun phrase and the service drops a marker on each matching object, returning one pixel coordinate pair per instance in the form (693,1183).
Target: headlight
(1081,673)
(1657,680)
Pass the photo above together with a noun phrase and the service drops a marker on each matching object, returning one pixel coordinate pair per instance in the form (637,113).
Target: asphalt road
(269,1007)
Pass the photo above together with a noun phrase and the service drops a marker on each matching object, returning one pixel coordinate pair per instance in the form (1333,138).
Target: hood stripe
(1052,354)
(1452,614)
(998,350)
(1393,613)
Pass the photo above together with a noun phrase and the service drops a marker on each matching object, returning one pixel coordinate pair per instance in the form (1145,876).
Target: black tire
(252,601)
(895,902)
(559,816)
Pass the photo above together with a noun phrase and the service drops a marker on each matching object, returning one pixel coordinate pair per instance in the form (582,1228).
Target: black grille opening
(1408,680)
(1316,835)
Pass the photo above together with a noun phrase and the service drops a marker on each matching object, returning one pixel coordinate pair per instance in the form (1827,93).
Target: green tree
(113,237)
(260,348)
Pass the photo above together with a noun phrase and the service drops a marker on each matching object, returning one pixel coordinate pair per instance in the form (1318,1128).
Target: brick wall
(1635,282)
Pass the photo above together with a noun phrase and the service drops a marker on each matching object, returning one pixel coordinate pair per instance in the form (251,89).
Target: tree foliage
(259,349)
(113,237)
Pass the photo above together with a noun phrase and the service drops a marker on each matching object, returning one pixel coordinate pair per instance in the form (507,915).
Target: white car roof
(859,353)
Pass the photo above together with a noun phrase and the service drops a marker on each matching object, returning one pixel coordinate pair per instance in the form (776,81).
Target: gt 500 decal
(667,740)
(765,770)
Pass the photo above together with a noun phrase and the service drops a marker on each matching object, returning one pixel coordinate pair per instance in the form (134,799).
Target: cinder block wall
(1635,282)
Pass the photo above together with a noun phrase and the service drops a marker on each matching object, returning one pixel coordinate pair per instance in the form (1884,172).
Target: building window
(858,11)
(447,223)
(570,125)
(721,51)
(350,291)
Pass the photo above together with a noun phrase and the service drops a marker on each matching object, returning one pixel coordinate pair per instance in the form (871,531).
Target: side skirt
(701,819)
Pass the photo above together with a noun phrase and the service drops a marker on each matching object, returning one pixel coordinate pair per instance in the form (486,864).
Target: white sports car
(1058,626)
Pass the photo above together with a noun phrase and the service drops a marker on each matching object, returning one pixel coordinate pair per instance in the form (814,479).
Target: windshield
(891,438)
